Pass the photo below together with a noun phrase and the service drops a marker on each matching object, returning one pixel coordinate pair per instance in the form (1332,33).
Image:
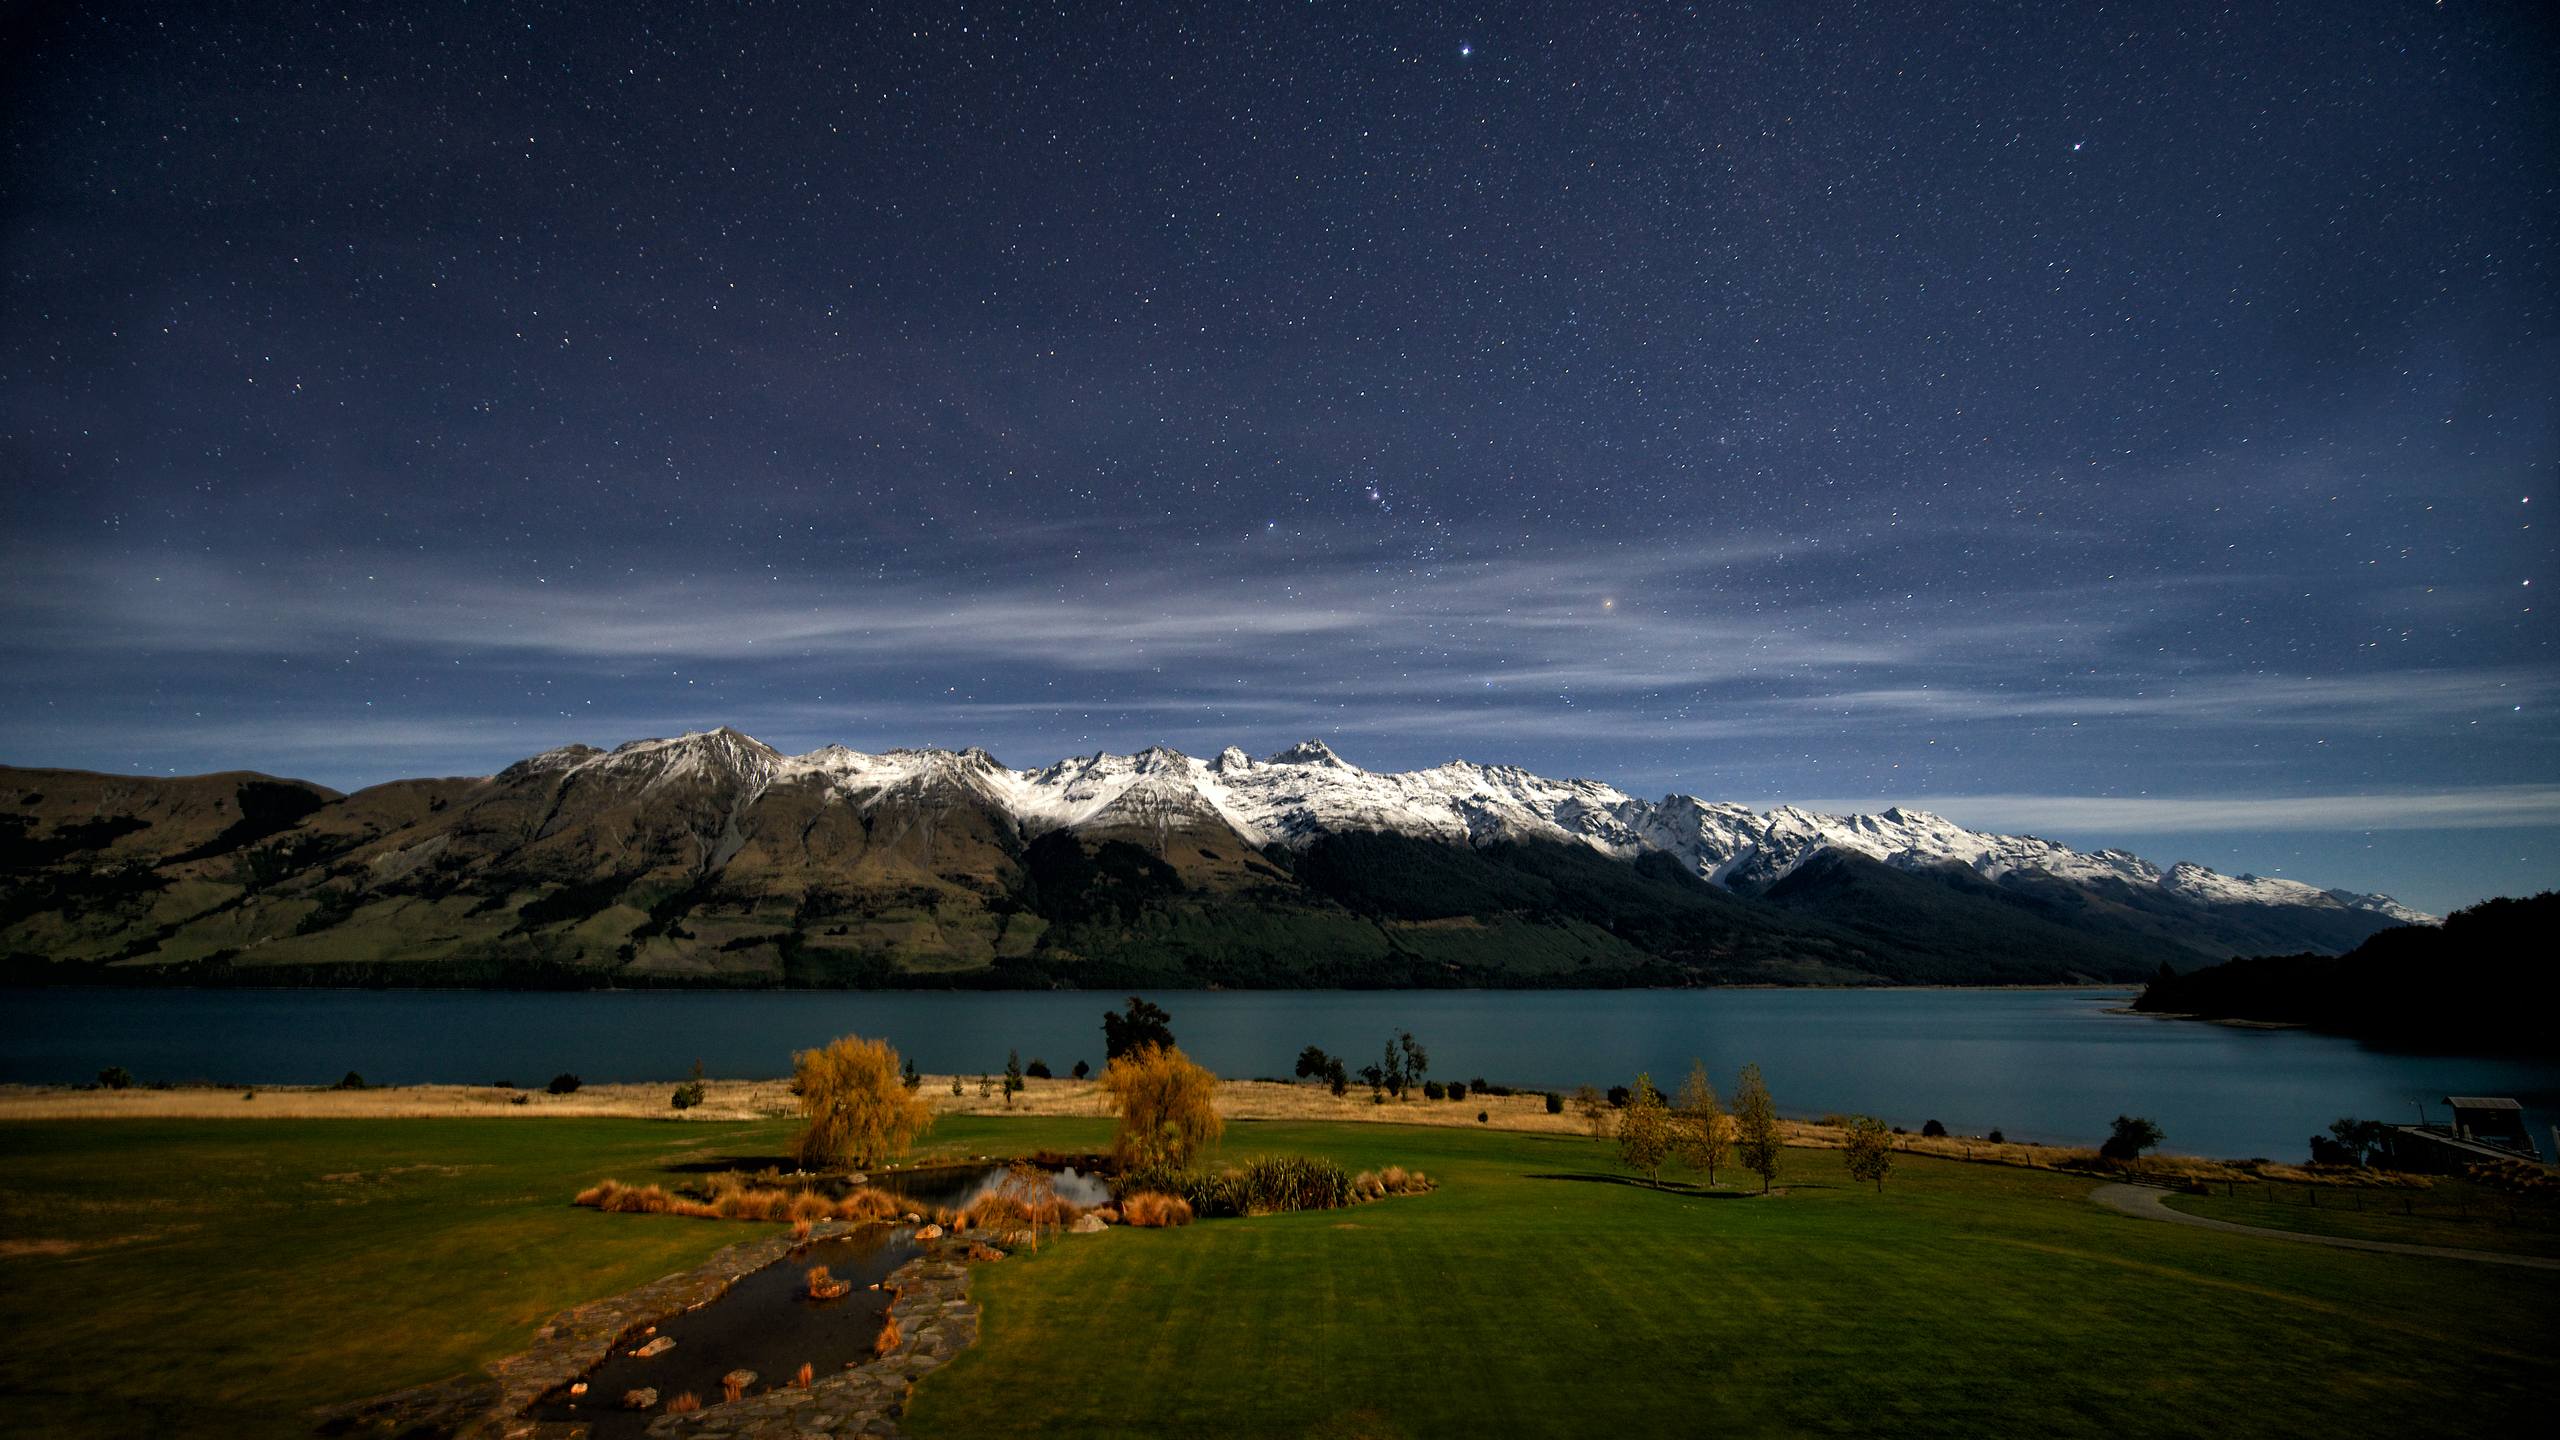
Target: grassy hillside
(214,1279)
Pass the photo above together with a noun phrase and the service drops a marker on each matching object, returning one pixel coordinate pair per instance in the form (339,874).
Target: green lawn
(2459,1213)
(231,1275)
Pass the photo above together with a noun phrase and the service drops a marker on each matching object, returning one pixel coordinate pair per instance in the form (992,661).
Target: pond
(2047,1065)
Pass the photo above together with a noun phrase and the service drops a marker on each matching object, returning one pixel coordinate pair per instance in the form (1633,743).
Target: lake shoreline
(2045,1064)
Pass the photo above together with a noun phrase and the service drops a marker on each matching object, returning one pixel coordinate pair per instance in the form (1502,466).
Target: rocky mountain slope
(712,858)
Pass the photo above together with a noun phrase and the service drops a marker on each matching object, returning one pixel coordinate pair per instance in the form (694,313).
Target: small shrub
(1458,1089)
(1482,1118)
(1555,1103)
(1150,1209)
(1434,1090)
(688,1095)
(1082,1070)
(564,1084)
(115,1077)
(1995,1137)
(1038,1069)
(1619,1095)
(521,1100)
(349,1081)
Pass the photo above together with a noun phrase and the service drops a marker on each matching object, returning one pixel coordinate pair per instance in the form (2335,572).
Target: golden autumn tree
(1698,1130)
(1869,1150)
(1755,1125)
(857,1107)
(1644,1131)
(1167,1106)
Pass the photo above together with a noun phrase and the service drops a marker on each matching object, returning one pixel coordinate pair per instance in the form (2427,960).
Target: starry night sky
(2125,424)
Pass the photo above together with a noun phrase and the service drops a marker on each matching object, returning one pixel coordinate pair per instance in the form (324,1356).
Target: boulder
(659,1346)
(1087,1225)
(643,1398)
(929,1232)
(738,1379)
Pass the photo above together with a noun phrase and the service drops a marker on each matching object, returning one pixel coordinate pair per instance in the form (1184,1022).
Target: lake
(2047,1065)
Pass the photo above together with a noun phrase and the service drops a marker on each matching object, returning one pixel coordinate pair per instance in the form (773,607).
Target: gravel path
(2145,1202)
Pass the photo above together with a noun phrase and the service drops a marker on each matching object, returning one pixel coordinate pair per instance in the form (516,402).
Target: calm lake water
(2042,1065)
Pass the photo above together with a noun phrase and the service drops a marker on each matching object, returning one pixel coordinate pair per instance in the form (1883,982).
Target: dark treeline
(2481,982)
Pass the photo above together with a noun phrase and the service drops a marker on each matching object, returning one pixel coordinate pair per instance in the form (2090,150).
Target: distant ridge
(714,858)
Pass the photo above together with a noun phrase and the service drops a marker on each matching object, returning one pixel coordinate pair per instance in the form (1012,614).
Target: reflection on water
(2050,1065)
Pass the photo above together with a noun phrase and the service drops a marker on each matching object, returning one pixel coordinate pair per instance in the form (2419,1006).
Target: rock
(643,1398)
(913,1217)
(739,1379)
(1087,1225)
(659,1346)
(930,1232)
(578,1389)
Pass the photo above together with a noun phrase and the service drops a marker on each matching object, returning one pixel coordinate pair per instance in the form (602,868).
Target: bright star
(1465,50)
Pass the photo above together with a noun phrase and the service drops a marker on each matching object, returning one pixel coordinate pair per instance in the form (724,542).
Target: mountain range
(714,859)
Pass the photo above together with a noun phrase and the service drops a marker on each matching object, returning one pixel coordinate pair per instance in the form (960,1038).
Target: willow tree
(1168,1106)
(856,1107)
(1697,1124)
(1755,1127)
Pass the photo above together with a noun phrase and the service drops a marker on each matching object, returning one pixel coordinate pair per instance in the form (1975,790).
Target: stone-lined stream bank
(936,1320)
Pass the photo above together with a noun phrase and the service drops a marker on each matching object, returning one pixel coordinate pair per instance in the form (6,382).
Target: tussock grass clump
(1397,1180)
(614,1197)
(684,1404)
(801,1378)
(1150,1209)
(869,1206)
(1025,1202)
(732,1198)
(825,1286)
(889,1337)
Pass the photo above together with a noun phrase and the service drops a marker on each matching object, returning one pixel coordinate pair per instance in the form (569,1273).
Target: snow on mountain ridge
(1306,791)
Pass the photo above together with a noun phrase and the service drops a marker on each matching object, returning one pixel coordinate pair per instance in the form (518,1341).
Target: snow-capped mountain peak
(1308,752)
(1307,791)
